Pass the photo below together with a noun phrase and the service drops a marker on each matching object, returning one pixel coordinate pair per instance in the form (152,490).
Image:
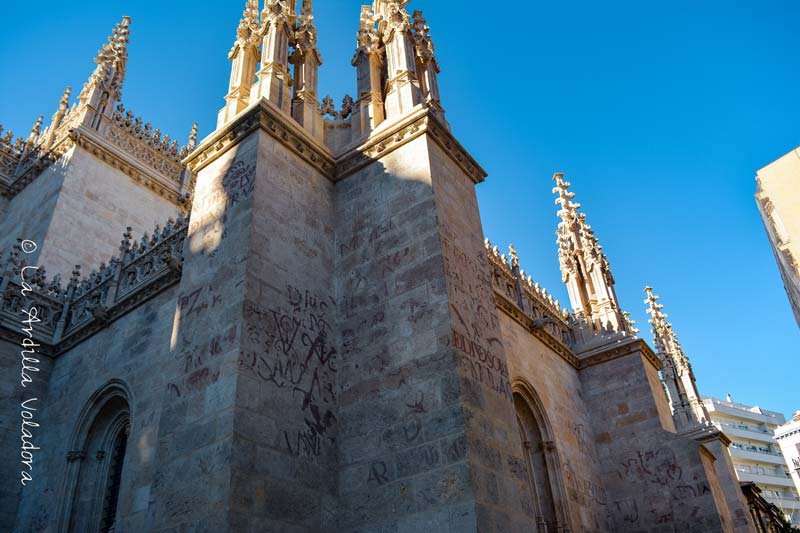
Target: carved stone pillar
(402,86)
(274,78)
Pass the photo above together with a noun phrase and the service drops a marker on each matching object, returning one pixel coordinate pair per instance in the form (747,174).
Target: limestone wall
(95,205)
(11,396)
(654,477)
(558,387)
(77,211)
(29,214)
(253,416)
(135,351)
(401,441)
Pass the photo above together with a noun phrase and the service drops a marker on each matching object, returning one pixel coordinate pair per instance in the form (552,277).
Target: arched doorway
(94,473)
(544,468)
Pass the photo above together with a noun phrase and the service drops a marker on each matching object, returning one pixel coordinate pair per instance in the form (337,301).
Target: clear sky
(659,113)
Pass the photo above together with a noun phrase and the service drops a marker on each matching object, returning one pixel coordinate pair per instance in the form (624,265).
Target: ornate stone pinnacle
(64,103)
(248,30)
(37,128)
(192,137)
(75,277)
(512,254)
(111,62)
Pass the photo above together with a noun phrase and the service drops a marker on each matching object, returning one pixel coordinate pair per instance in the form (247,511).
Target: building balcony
(759,457)
(787,503)
(766,479)
(749,434)
(742,412)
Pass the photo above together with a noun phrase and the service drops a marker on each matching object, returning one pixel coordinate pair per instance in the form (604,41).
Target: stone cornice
(392,136)
(289,133)
(278,125)
(513,311)
(705,434)
(609,352)
(117,158)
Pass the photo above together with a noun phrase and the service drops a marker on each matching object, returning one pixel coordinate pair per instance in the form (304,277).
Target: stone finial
(427,66)
(114,54)
(348,106)
(75,277)
(64,102)
(109,75)
(327,107)
(512,255)
(36,130)
(247,32)
(192,144)
(125,245)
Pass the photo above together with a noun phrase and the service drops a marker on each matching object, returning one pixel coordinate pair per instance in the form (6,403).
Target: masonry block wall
(12,395)
(653,476)
(77,212)
(558,387)
(133,350)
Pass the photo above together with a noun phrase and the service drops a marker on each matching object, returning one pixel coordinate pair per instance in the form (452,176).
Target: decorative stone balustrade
(510,282)
(140,140)
(10,155)
(69,315)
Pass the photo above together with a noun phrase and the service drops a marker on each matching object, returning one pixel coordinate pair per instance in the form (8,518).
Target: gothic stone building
(316,336)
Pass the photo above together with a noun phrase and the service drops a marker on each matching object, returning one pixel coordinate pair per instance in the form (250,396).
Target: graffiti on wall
(291,348)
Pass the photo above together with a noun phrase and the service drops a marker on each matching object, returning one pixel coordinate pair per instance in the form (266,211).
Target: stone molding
(289,133)
(127,146)
(534,328)
(706,433)
(391,136)
(605,353)
(277,124)
(107,149)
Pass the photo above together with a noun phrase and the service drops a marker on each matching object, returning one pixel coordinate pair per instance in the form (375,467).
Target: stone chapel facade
(315,336)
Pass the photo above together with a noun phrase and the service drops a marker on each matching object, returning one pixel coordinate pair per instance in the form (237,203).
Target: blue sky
(659,113)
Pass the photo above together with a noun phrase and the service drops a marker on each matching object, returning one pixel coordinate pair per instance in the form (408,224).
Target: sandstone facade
(320,338)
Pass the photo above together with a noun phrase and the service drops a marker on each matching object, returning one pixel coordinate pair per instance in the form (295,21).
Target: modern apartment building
(788,437)
(777,196)
(755,452)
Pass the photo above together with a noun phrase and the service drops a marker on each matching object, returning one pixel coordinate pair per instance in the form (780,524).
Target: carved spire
(104,88)
(678,377)
(427,66)
(33,136)
(277,33)
(584,267)
(369,61)
(112,61)
(58,116)
(513,257)
(36,130)
(403,89)
(306,60)
(192,144)
(243,57)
